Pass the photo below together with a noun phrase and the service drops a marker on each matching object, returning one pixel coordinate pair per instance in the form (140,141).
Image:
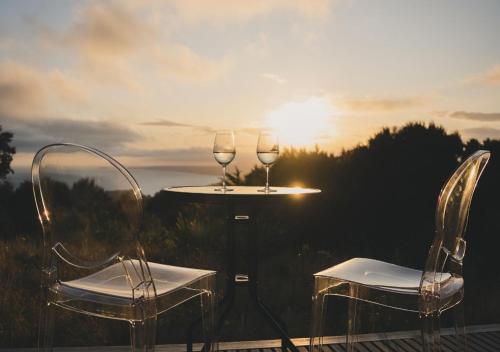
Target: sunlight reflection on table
(252,191)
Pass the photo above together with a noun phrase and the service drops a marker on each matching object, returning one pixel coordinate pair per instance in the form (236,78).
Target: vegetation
(6,152)
(378,201)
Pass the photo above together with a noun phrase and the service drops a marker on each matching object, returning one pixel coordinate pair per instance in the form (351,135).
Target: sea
(151,180)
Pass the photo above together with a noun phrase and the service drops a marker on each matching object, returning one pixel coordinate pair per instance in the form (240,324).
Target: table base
(234,280)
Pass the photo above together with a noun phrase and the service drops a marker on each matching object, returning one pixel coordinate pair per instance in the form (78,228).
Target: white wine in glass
(267,151)
(224,152)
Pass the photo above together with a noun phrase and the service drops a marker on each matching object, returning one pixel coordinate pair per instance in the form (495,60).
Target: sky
(150,82)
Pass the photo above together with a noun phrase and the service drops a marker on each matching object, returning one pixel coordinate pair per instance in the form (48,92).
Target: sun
(301,123)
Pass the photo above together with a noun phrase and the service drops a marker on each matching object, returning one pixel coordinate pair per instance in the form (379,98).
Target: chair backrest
(451,219)
(90,208)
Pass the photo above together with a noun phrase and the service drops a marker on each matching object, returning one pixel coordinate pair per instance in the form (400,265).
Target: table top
(243,193)
(243,190)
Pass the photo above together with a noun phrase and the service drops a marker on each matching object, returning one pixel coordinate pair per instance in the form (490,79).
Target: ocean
(151,180)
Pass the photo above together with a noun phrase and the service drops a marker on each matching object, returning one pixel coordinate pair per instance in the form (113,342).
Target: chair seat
(113,280)
(370,272)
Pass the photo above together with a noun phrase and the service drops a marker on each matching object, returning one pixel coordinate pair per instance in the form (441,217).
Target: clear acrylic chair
(428,293)
(90,208)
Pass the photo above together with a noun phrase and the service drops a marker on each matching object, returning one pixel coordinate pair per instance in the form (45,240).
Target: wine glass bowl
(267,153)
(224,158)
(224,152)
(267,158)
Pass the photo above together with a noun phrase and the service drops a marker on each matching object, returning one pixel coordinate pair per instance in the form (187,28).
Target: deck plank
(362,348)
(489,338)
(370,346)
(483,338)
(382,346)
(493,337)
(487,346)
(337,348)
(448,343)
(405,345)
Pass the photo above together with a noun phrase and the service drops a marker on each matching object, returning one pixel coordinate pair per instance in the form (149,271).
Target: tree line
(378,200)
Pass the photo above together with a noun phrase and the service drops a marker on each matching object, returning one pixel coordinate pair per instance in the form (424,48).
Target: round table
(253,199)
(237,193)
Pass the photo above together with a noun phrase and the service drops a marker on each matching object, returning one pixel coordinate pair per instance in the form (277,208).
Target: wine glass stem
(224,177)
(267,177)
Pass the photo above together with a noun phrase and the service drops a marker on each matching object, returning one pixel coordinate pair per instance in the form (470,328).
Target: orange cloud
(180,61)
(25,90)
(21,89)
(468,115)
(107,29)
(492,76)
(170,123)
(481,133)
(115,40)
(380,104)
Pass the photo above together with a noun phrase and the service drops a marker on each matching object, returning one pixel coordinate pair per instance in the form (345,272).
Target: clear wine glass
(267,151)
(224,153)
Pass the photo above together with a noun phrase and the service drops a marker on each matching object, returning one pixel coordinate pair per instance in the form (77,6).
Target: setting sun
(303,123)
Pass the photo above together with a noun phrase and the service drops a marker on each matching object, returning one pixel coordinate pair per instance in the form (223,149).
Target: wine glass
(224,152)
(267,152)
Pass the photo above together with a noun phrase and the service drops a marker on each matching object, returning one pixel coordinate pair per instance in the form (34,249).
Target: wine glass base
(267,190)
(224,190)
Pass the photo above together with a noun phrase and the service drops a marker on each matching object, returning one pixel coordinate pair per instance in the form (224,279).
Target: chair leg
(207,320)
(143,335)
(460,333)
(46,327)
(317,321)
(431,338)
(353,319)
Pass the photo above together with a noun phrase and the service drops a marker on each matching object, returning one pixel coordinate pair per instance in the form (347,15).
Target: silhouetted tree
(6,152)
(378,200)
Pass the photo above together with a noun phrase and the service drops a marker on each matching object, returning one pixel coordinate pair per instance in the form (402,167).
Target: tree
(6,152)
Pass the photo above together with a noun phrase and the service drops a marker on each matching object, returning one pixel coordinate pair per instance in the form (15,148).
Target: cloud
(113,138)
(466,115)
(21,89)
(117,39)
(25,90)
(204,129)
(492,76)
(180,61)
(107,28)
(65,87)
(113,38)
(169,123)
(241,10)
(32,134)
(273,77)
(174,154)
(380,104)
(481,133)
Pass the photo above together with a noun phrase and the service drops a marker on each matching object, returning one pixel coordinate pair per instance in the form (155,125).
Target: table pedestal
(249,280)
(254,199)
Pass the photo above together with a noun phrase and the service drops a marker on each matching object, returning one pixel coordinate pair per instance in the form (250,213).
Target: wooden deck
(480,338)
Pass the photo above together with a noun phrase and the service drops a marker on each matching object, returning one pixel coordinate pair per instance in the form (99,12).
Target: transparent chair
(428,293)
(90,208)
